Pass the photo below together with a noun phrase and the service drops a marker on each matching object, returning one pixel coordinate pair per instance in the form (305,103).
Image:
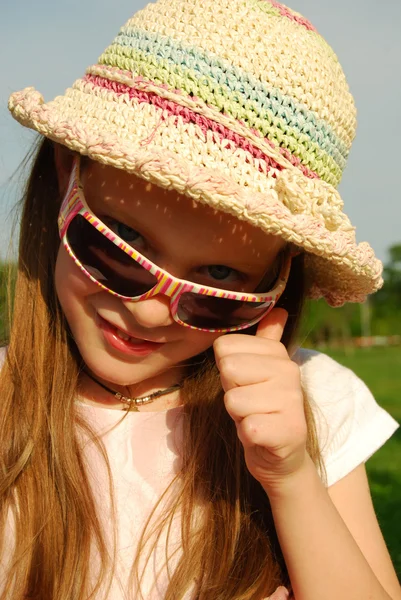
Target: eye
(221,273)
(126,233)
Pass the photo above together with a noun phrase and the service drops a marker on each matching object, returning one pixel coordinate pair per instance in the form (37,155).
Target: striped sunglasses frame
(74,204)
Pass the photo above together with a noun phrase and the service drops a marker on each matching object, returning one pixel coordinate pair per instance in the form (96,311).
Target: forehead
(169,215)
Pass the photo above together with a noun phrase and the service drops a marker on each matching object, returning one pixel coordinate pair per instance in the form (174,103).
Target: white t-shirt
(351,426)
(144,456)
(144,452)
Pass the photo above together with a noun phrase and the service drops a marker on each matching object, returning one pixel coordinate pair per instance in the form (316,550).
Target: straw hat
(239,104)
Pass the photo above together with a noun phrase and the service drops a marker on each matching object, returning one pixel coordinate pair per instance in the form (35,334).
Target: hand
(263,395)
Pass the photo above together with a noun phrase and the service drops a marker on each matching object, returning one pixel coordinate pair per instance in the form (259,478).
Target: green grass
(380,368)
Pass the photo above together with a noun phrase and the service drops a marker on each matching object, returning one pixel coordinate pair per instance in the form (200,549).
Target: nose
(150,313)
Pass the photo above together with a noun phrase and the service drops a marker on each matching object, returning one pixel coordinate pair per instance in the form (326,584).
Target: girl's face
(191,241)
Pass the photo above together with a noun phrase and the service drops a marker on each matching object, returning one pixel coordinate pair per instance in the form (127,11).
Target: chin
(119,371)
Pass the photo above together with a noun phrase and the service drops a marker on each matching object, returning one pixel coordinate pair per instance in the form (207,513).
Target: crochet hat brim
(246,177)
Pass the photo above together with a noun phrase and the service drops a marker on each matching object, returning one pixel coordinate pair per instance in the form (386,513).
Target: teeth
(127,338)
(122,335)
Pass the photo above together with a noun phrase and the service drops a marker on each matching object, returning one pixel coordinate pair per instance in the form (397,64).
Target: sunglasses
(115,266)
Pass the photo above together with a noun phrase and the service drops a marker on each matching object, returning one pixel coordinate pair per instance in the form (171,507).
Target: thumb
(272,325)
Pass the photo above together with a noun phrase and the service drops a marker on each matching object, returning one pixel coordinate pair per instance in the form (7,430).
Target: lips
(123,342)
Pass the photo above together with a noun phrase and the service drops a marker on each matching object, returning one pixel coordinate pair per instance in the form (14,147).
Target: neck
(92,392)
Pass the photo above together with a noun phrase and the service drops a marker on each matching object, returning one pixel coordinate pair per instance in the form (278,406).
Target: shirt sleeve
(350,425)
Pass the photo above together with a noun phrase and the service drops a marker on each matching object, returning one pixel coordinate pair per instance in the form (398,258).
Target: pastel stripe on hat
(156,48)
(200,63)
(188,115)
(270,117)
(284,11)
(210,30)
(272,8)
(154,127)
(316,159)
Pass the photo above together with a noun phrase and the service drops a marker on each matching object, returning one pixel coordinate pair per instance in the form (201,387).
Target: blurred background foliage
(379,317)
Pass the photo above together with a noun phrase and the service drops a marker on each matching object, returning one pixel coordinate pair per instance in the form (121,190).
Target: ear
(63,158)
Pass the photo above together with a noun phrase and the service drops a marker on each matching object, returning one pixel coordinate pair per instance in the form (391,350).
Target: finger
(272,325)
(262,398)
(247,369)
(238,342)
(264,430)
(274,431)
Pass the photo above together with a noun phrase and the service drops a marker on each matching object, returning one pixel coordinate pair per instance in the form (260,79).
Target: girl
(161,437)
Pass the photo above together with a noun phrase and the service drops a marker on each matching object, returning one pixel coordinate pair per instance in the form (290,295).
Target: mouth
(124,342)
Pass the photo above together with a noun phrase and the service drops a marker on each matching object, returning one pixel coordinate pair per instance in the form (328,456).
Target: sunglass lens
(106,262)
(209,312)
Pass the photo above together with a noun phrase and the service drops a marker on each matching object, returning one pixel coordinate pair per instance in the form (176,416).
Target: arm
(331,540)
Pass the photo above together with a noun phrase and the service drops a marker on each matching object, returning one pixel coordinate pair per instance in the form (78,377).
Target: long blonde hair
(231,551)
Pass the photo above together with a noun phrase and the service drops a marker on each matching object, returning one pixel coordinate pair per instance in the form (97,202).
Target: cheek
(199,341)
(71,284)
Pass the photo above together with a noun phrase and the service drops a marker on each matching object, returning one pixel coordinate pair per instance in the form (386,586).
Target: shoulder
(334,393)
(328,383)
(319,369)
(350,424)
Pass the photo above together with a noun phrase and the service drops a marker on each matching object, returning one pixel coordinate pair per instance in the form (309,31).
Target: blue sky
(49,44)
